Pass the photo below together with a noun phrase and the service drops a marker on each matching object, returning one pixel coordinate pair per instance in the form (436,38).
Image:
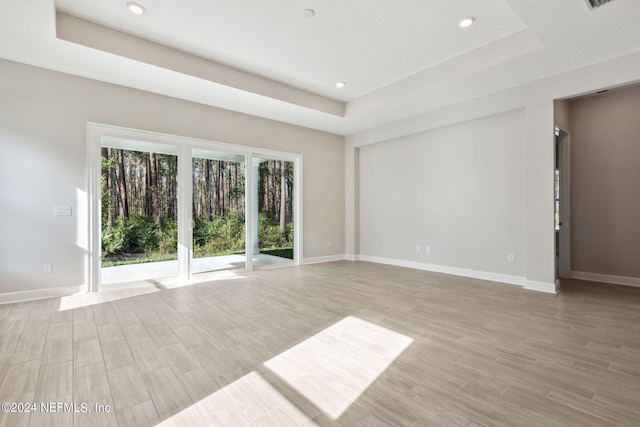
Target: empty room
(319,213)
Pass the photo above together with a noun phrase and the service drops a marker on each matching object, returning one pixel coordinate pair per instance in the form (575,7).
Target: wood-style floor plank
(336,344)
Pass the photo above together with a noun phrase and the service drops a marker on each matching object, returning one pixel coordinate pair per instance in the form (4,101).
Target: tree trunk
(261,187)
(122,189)
(217,187)
(194,212)
(221,165)
(273,189)
(283,198)
(208,195)
(236,195)
(171,189)
(108,175)
(155,190)
(290,193)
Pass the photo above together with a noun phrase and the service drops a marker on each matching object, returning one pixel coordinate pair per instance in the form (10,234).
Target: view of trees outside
(275,208)
(139,207)
(218,207)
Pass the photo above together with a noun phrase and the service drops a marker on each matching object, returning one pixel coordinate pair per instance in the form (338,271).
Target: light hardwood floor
(343,343)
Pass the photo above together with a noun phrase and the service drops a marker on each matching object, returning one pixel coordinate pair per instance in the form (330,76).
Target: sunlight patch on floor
(334,367)
(250,400)
(324,374)
(86,299)
(118,291)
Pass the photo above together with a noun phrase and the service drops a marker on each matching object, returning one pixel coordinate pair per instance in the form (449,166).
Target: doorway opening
(562,204)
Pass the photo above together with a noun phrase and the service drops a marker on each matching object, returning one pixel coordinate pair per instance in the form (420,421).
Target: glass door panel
(218,211)
(273,240)
(139,208)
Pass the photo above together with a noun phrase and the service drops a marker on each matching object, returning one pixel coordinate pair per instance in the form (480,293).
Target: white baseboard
(606,278)
(20,296)
(475,274)
(351,257)
(464,272)
(321,259)
(532,285)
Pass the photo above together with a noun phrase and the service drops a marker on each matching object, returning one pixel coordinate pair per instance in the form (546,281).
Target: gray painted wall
(43,140)
(605,180)
(457,189)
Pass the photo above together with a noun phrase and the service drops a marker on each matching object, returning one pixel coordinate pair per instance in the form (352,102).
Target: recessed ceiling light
(135,8)
(308,13)
(341,84)
(466,22)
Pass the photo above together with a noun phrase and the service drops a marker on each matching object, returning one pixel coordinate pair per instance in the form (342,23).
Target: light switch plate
(62,211)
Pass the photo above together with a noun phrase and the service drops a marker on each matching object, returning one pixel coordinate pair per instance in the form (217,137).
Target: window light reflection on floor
(329,371)
(121,291)
(334,367)
(250,400)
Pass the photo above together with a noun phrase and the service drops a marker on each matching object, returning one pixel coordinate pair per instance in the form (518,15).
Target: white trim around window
(183,146)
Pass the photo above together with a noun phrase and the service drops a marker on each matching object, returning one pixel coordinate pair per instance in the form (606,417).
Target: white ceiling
(367,43)
(389,52)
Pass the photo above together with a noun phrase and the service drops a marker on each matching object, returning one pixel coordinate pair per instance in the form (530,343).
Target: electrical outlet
(511,258)
(418,248)
(329,244)
(427,249)
(47,268)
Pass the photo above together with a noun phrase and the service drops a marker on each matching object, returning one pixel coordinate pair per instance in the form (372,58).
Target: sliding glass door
(274,228)
(166,209)
(138,223)
(218,211)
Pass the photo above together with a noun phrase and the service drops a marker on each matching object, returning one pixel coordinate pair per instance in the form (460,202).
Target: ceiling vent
(597,3)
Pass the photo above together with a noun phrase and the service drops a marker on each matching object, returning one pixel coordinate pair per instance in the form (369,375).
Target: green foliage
(238,191)
(113,240)
(139,187)
(141,259)
(105,195)
(269,235)
(282,252)
(224,234)
(169,236)
(142,234)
